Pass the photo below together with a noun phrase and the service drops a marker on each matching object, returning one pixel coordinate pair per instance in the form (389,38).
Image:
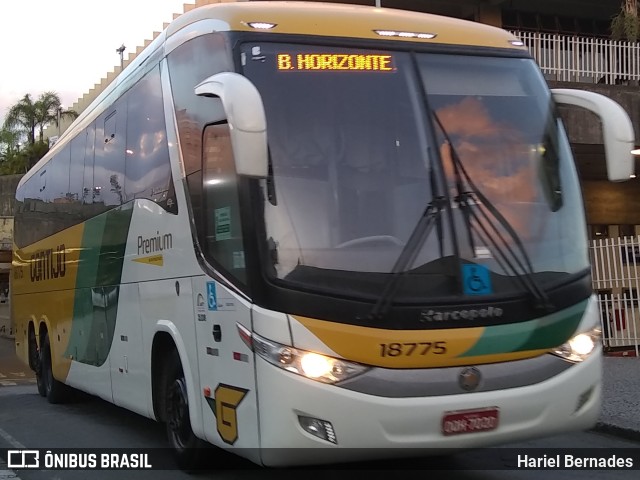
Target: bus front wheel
(186,446)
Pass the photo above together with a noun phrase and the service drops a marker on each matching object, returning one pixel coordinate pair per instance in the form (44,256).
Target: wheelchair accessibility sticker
(212,301)
(477,280)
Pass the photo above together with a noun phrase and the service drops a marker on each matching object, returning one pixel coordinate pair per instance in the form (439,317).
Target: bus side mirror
(617,130)
(247,122)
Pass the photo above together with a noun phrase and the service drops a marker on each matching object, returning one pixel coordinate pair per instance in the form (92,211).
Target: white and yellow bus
(293,229)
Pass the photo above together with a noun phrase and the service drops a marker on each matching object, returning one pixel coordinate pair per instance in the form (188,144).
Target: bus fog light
(580,346)
(318,428)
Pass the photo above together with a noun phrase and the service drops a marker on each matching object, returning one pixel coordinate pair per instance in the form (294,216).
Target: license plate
(470,421)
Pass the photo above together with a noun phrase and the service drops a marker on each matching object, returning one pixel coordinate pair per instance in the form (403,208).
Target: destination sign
(335,62)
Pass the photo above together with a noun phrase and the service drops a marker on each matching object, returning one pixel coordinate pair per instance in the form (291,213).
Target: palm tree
(26,116)
(8,143)
(22,119)
(49,110)
(12,160)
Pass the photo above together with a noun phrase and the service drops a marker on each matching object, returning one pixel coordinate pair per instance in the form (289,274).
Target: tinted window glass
(190,64)
(88,193)
(76,175)
(108,176)
(148,171)
(223,232)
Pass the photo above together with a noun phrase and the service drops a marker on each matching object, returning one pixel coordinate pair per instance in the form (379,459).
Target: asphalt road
(12,371)
(28,421)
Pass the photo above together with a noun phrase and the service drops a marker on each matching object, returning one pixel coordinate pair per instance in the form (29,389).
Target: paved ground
(621,386)
(12,370)
(5,323)
(621,400)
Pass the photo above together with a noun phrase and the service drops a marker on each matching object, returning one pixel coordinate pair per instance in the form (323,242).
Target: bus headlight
(315,366)
(580,346)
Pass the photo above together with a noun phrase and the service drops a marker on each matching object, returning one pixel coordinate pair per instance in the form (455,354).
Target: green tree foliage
(22,119)
(626,24)
(19,147)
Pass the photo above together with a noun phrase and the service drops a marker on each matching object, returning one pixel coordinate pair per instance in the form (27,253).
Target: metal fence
(615,264)
(584,59)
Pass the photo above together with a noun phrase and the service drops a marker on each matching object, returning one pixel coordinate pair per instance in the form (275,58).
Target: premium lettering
(157,243)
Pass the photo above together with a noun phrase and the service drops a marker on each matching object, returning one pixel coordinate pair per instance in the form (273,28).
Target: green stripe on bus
(114,243)
(543,333)
(97,286)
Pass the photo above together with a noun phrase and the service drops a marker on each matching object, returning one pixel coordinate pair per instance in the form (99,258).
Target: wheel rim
(178,414)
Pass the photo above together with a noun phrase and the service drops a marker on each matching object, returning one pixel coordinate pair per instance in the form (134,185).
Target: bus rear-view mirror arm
(617,129)
(247,122)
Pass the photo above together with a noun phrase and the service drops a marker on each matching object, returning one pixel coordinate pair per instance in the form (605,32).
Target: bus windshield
(362,142)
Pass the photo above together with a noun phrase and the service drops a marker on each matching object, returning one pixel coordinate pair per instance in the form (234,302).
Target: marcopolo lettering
(157,243)
(48,264)
(470,314)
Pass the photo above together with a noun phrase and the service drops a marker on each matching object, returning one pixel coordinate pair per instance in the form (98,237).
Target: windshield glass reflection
(356,156)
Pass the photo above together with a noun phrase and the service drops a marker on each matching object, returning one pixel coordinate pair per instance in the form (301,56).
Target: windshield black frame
(331,282)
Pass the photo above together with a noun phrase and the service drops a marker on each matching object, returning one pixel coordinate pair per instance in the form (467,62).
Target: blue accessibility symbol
(212,301)
(476,279)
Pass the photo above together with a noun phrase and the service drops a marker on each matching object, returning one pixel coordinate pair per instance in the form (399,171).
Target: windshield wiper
(521,268)
(430,217)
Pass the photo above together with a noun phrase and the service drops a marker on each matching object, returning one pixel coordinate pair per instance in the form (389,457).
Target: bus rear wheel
(186,446)
(35,361)
(42,389)
(55,391)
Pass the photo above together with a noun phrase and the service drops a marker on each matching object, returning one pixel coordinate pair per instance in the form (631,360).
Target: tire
(35,362)
(55,391)
(187,448)
(42,389)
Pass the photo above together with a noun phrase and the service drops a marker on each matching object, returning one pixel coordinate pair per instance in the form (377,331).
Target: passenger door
(226,362)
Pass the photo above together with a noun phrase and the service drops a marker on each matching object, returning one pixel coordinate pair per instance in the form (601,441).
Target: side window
(57,189)
(88,192)
(108,175)
(57,193)
(148,171)
(76,175)
(190,64)
(19,216)
(222,227)
(76,179)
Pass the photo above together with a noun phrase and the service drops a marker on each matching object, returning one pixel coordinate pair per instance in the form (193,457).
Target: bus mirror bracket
(617,129)
(247,122)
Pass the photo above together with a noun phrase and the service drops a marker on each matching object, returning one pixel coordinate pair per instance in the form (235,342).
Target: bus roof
(310,18)
(342,20)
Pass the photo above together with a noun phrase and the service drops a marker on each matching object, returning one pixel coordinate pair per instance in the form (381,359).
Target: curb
(623,353)
(615,430)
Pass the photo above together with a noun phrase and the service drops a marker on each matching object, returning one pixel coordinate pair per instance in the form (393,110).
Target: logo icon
(469,379)
(224,407)
(477,280)
(23,459)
